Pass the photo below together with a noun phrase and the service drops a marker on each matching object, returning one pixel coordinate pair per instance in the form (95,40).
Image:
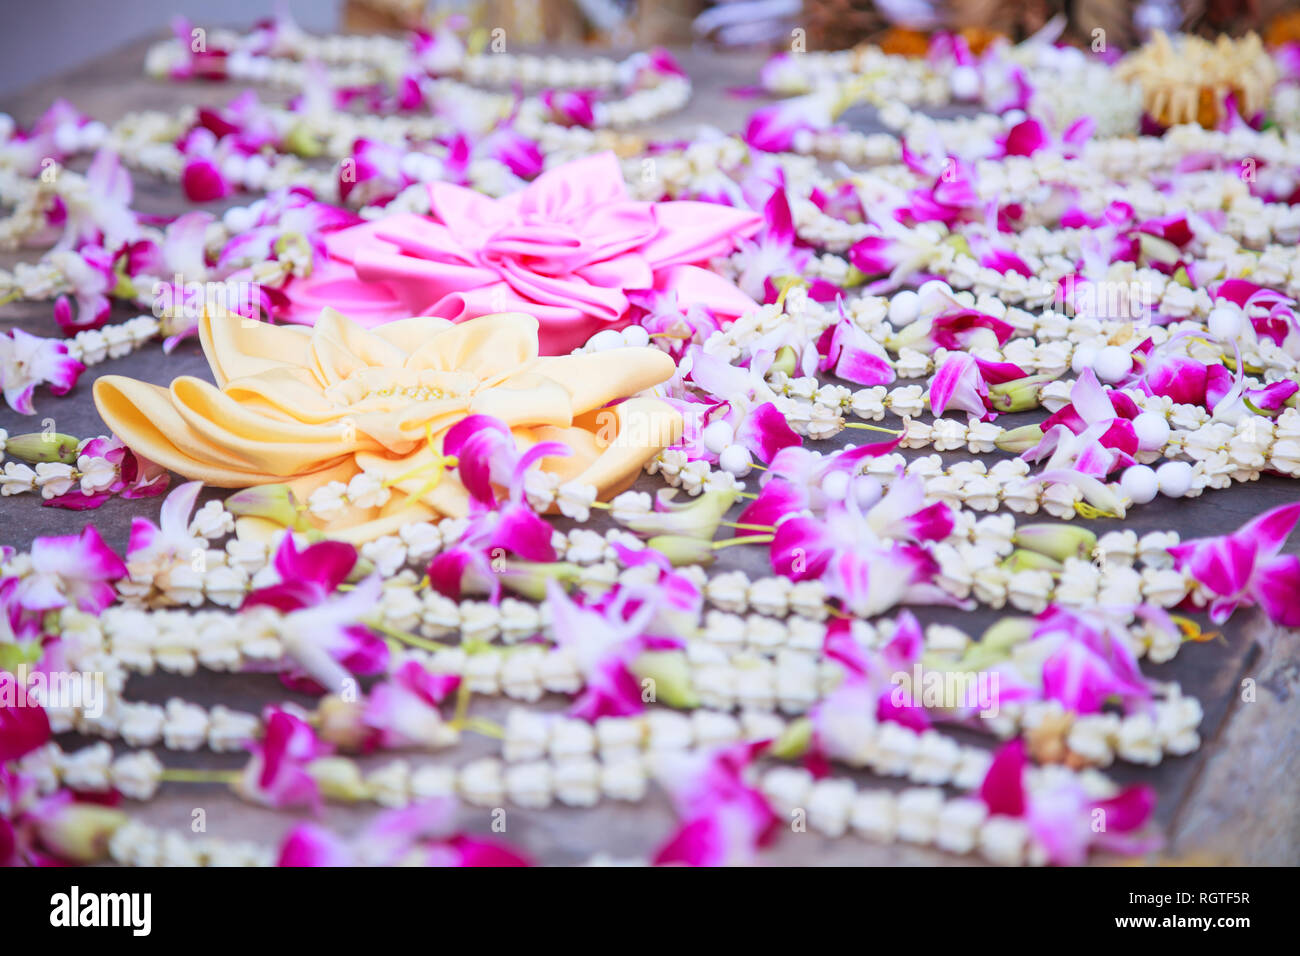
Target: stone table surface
(1233,801)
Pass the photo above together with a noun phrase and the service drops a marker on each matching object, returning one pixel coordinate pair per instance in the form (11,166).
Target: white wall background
(41,38)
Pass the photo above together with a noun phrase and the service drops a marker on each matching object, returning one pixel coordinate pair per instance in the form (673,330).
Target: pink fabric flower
(566,249)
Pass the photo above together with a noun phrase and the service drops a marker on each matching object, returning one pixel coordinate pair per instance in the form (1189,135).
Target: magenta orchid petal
(776,500)
(523,532)
(276,774)
(1025,138)
(202,181)
(1275,586)
(309,844)
(957,384)
(1003,790)
(24,726)
(855,356)
(765,431)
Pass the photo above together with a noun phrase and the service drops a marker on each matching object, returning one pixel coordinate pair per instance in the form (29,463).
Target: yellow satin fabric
(306,406)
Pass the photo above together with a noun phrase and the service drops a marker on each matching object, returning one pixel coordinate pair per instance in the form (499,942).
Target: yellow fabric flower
(305,406)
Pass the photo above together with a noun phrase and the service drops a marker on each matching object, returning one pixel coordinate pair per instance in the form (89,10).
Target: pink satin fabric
(565,249)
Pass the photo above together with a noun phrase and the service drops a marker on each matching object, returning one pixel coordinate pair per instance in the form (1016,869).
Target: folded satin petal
(334,284)
(696,285)
(566,249)
(693,232)
(308,407)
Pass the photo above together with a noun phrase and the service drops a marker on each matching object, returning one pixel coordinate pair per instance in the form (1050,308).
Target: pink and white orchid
(276,774)
(27,361)
(419,835)
(725,819)
(1247,568)
(773,128)
(749,403)
(90,273)
(867,694)
(853,355)
(1087,661)
(1093,434)
(403,711)
(571,107)
(799,479)
(70,571)
(23,726)
(963,381)
(1063,819)
(487,457)
(603,640)
(870,559)
(155,548)
(324,632)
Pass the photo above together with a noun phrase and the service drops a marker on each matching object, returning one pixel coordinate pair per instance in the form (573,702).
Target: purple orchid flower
(1093,435)
(798,479)
(159,546)
(871,560)
(853,355)
(1091,664)
(91,274)
(773,128)
(23,727)
(571,107)
(373,175)
(774,253)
